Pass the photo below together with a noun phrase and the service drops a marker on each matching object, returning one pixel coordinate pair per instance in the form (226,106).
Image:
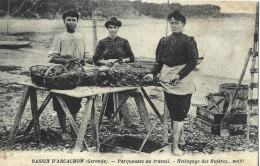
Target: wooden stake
(8,14)
(94,28)
(224,126)
(255,51)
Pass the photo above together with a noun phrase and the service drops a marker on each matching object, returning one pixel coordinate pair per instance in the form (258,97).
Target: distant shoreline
(220,15)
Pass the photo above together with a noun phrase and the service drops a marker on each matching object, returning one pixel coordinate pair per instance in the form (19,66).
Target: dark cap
(177,16)
(71,13)
(113,21)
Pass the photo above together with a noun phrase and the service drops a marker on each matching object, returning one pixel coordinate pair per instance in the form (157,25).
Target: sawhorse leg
(34,108)
(36,117)
(28,92)
(84,123)
(69,116)
(18,118)
(151,104)
(103,109)
(142,110)
(119,107)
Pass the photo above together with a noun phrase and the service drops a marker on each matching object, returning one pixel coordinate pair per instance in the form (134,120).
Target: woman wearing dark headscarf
(176,57)
(108,50)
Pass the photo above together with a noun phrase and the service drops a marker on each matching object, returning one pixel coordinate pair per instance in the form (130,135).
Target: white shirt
(73,44)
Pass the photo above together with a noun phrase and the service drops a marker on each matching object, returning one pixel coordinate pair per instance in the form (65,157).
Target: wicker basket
(54,77)
(87,77)
(37,74)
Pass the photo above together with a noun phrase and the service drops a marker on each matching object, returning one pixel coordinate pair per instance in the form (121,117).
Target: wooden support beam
(96,127)
(148,135)
(119,107)
(41,109)
(17,119)
(34,109)
(115,99)
(103,109)
(142,110)
(69,116)
(151,104)
(84,123)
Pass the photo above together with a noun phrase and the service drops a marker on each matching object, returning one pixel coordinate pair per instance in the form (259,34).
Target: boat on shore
(14,44)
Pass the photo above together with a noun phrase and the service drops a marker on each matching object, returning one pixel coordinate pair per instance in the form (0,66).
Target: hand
(148,77)
(126,60)
(174,80)
(103,62)
(123,61)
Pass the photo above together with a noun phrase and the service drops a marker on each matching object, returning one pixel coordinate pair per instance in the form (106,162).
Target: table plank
(81,92)
(86,91)
(30,84)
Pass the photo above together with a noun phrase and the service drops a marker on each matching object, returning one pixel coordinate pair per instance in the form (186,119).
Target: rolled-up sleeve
(158,65)
(192,58)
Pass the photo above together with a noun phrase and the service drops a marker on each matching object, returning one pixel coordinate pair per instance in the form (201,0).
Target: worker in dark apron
(176,57)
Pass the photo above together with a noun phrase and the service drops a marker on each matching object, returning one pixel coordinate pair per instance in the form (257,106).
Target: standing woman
(70,43)
(176,57)
(108,50)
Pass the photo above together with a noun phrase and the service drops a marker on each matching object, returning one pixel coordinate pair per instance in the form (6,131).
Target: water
(224,42)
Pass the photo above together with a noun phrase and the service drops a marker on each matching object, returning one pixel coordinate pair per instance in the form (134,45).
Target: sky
(226,6)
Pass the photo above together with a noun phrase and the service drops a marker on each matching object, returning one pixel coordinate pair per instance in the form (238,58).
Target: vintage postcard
(129,82)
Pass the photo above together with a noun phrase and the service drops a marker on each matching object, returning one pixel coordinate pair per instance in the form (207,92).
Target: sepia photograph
(100,82)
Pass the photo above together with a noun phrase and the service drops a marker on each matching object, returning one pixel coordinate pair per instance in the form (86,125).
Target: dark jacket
(176,49)
(112,48)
